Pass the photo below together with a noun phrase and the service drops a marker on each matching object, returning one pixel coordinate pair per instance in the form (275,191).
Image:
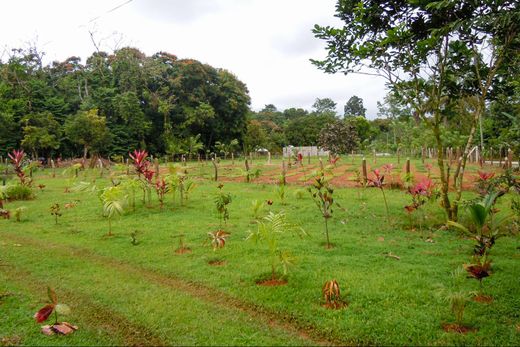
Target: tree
(354,107)
(89,130)
(439,56)
(255,137)
(9,133)
(193,145)
(304,131)
(338,137)
(324,105)
(41,132)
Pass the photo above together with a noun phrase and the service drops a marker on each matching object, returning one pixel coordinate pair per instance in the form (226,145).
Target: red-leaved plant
(421,193)
(142,167)
(484,183)
(378,182)
(17,157)
(140,162)
(45,312)
(334,159)
(161,188)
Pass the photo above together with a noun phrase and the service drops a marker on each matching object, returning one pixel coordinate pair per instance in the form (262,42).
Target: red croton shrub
(17,157)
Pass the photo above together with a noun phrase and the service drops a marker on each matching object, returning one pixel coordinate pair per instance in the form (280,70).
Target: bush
(19,192)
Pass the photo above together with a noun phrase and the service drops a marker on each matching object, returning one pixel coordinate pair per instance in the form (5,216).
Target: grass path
(134,332)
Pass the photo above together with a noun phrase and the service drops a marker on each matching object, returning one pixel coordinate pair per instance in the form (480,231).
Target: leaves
(331,291)
(44,313)
(480,268)
(268,231)
(51,294)
(62,309)
(62,328)
(218,239)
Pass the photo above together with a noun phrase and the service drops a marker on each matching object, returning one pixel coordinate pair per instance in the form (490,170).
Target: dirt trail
(197,290)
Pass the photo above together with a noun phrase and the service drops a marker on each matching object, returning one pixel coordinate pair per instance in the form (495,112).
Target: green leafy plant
(71,173)
(113,201)
(222,200)
(56,211)
(189,187)
(322,194)
(456,296)
(133,238)
(19,192)
(45,312)
(131,186)
(483,225)
(281,193)
(251,174)
(18,213)
(3,195)
(257,207)
(269,231)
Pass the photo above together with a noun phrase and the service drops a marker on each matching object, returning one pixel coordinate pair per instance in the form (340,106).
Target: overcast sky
(267,44)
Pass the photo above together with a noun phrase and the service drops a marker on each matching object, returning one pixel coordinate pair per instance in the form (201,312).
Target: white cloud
(266,43)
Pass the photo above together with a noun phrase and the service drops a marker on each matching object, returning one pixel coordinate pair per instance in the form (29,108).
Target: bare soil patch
(456,328)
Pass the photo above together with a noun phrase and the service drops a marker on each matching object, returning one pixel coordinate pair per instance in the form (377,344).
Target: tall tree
(354,107)
(41,132)
(338,137)
(89,130)
(324,105)
(438,55)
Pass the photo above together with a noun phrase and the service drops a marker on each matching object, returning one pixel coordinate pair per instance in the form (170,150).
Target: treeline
(117,102)
(114,103)
(394,126)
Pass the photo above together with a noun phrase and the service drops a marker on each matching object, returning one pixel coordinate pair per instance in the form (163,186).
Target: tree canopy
(145,101)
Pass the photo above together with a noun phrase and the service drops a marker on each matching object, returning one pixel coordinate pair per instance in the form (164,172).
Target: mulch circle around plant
(183,250)
(217,262)
(486,299)
(456,328)
(335,305)
(272,282)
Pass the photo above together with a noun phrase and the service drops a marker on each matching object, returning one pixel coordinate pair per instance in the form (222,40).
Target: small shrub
(332,295)
(19,192)
(257,207)
(18,213)
(5,214)
(222,200)
(268,231)
(56,211)
(218,239)
(479,269)
(322,194)
(133,238)
(455,296)
(45,312)
(484,225)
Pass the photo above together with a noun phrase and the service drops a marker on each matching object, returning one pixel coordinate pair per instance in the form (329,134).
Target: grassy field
(148,294)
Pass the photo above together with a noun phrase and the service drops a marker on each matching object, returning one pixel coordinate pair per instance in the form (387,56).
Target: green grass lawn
(148,294)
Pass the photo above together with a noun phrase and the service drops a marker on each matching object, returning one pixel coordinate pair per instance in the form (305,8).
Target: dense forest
(116,102)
